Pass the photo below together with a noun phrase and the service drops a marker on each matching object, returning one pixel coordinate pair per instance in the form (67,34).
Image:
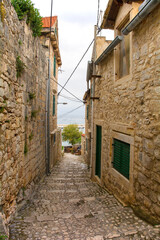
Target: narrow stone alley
(68,205)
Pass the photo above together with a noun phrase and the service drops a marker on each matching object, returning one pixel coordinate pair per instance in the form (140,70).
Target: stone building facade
(125,150)
(23,108)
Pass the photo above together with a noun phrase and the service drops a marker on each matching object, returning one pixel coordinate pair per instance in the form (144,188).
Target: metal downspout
(93,90)
(144,11)
(48,117)
(47,127)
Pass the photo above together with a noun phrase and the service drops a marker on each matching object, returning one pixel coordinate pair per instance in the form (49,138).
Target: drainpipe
(110,48)
(93,90)
(144,11)
(48,122)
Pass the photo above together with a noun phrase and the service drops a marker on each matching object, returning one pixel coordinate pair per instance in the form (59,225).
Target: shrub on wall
(25,8)
(2,11)
(19,66)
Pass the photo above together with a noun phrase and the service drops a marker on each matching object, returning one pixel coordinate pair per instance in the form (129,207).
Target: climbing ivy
(25,8)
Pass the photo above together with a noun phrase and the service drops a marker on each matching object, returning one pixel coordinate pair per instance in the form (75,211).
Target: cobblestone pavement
(68,205)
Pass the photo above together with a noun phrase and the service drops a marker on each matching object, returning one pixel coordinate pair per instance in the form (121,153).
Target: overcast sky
(76,20)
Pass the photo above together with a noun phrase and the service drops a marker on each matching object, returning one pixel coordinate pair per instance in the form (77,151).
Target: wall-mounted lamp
(64,103)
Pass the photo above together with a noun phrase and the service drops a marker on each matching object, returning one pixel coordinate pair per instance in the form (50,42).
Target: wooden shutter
(121,158)
(86,144)
(54,110)
(54,66)
(87,111)
(54,138)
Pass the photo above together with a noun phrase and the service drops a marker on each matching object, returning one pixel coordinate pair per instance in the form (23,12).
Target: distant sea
(71,120)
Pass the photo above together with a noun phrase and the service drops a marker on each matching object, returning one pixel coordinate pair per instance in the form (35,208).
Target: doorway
(98,150)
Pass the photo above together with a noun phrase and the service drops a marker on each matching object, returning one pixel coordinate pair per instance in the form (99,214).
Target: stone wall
(82,144)
(22,110)
(130,109)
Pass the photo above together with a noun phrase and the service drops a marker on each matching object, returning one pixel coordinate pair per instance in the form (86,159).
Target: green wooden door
(98,150)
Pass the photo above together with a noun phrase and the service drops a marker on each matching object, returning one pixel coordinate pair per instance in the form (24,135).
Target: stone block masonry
(129,110)
(22,111)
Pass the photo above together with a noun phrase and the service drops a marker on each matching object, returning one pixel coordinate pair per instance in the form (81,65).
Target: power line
(70,111)
(76,66)
(69,98)
(84,52)
(68,91)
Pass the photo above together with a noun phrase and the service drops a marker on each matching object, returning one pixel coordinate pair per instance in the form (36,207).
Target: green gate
(98,150)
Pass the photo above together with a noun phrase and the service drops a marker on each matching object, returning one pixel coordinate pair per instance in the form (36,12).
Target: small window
(86,144)
(121,157)
(87,111)
(55,31)
(54,107)
(54,138)
(122,55)
(54,66)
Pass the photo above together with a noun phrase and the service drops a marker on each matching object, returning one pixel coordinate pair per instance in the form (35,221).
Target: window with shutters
(54,138)
(54,66)
(86,144)
(122,53)
(87,111)
(54,107)
(121,157)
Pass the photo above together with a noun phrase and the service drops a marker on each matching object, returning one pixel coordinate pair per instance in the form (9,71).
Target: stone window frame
(125,134)
(119,26)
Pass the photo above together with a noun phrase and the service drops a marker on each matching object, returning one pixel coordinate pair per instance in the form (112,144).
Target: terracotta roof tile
(46,21)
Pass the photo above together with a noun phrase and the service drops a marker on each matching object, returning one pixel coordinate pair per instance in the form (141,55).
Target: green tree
(71,134)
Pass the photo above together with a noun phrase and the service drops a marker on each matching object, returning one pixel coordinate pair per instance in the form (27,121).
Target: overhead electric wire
(76,66)
(70,111)
(83,54)
(69,98)
(68,91)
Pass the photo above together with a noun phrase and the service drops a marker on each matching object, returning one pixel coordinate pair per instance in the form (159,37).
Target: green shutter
(86,144)
(87,111)
(54,66)
(121,158)
(54,110)
(54,138)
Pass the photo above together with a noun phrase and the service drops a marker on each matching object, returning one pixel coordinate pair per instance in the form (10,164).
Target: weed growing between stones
(20,42)
(25,149)
(31,136)
(3,237)
(25,8)
(32,95)
(2,109)
(34,114)
(19,66)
